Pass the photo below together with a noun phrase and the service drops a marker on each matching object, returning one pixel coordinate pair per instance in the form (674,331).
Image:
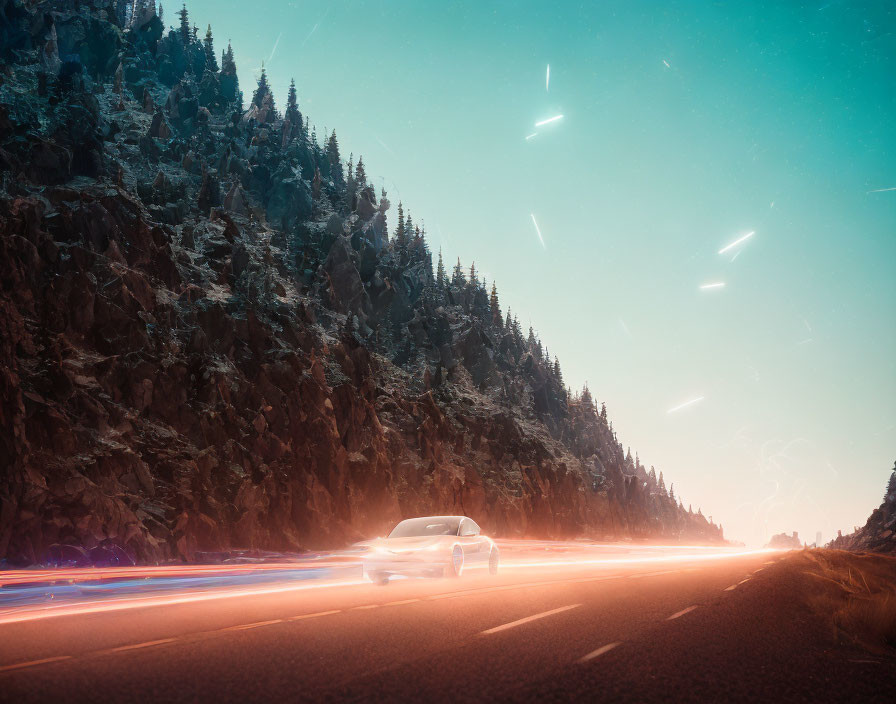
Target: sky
(686,125)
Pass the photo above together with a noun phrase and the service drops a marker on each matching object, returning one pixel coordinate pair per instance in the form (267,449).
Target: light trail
(882,190)
(90,574)
(516,556)
(547,79)
(667,63)
(537,230)
(549,120)
(530,136)
(737,242)
(615,562)
(17,616)
(686,404)
(715,284)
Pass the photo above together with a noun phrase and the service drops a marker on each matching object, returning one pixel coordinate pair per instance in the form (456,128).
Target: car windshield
(425,526)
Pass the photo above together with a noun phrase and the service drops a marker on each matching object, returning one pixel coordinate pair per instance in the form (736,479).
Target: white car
(430,546)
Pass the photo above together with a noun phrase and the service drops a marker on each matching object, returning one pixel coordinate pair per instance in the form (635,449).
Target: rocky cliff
(209,339)
(879,532)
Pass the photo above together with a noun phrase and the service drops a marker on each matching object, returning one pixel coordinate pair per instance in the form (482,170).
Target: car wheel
(457,562)
(493,561)
(379,578)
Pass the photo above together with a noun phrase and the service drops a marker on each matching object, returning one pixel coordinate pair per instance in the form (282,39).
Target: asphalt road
(724,630)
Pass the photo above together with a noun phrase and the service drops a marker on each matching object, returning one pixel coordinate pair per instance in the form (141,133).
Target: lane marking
(135,646)
(528,619)
(32,663)
(651,574)
(744,580)
(365,606)
(403,601)
(677,614)
(525,585)
(253,625)
(314,615)
(771,562)
(733,586)
(600,651)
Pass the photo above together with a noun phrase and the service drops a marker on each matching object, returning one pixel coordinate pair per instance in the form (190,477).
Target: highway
(608,623)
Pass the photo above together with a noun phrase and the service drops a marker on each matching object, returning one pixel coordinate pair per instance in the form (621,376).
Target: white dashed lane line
(596,653)
(678,614)
(136,646)
(731,588)
(253,625)
(398,603)
(364,607)
(528,619)
(301,617)
(31,663)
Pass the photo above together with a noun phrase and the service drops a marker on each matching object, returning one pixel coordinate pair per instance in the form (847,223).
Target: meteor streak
(538,230)
(686,404)
(530,136)
(738,241)
(550,119)
(667,63)
(881,190)
(547,78)
(716,284)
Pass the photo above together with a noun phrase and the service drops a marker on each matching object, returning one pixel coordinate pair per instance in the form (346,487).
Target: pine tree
(399,228)
(458,279)
(262,91)
(211,63)
(408,230)
(558,375)
(474,280)
(161,15)
(495,307)
(508,321)
(185,32)
(230,84)
(587,401)
(651,478)
(672,493)
(662,484)
(360,173)
(440,272)
(228,66)
(333,156)
(603,412)
(292,110)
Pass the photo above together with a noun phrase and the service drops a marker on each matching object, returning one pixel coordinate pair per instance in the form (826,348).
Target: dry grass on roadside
(860,596)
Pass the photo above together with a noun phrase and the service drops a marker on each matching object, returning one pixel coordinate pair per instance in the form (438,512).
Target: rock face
(186,372)
(879,532)
(784,541)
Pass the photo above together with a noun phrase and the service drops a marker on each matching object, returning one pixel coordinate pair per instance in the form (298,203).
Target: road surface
(686,629)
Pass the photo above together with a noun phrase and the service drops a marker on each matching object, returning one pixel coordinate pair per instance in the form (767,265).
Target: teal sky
(771,117)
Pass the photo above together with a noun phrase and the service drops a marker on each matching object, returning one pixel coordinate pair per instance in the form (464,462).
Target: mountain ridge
(211,340)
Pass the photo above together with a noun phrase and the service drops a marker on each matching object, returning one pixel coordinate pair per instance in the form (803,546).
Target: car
(430,546)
